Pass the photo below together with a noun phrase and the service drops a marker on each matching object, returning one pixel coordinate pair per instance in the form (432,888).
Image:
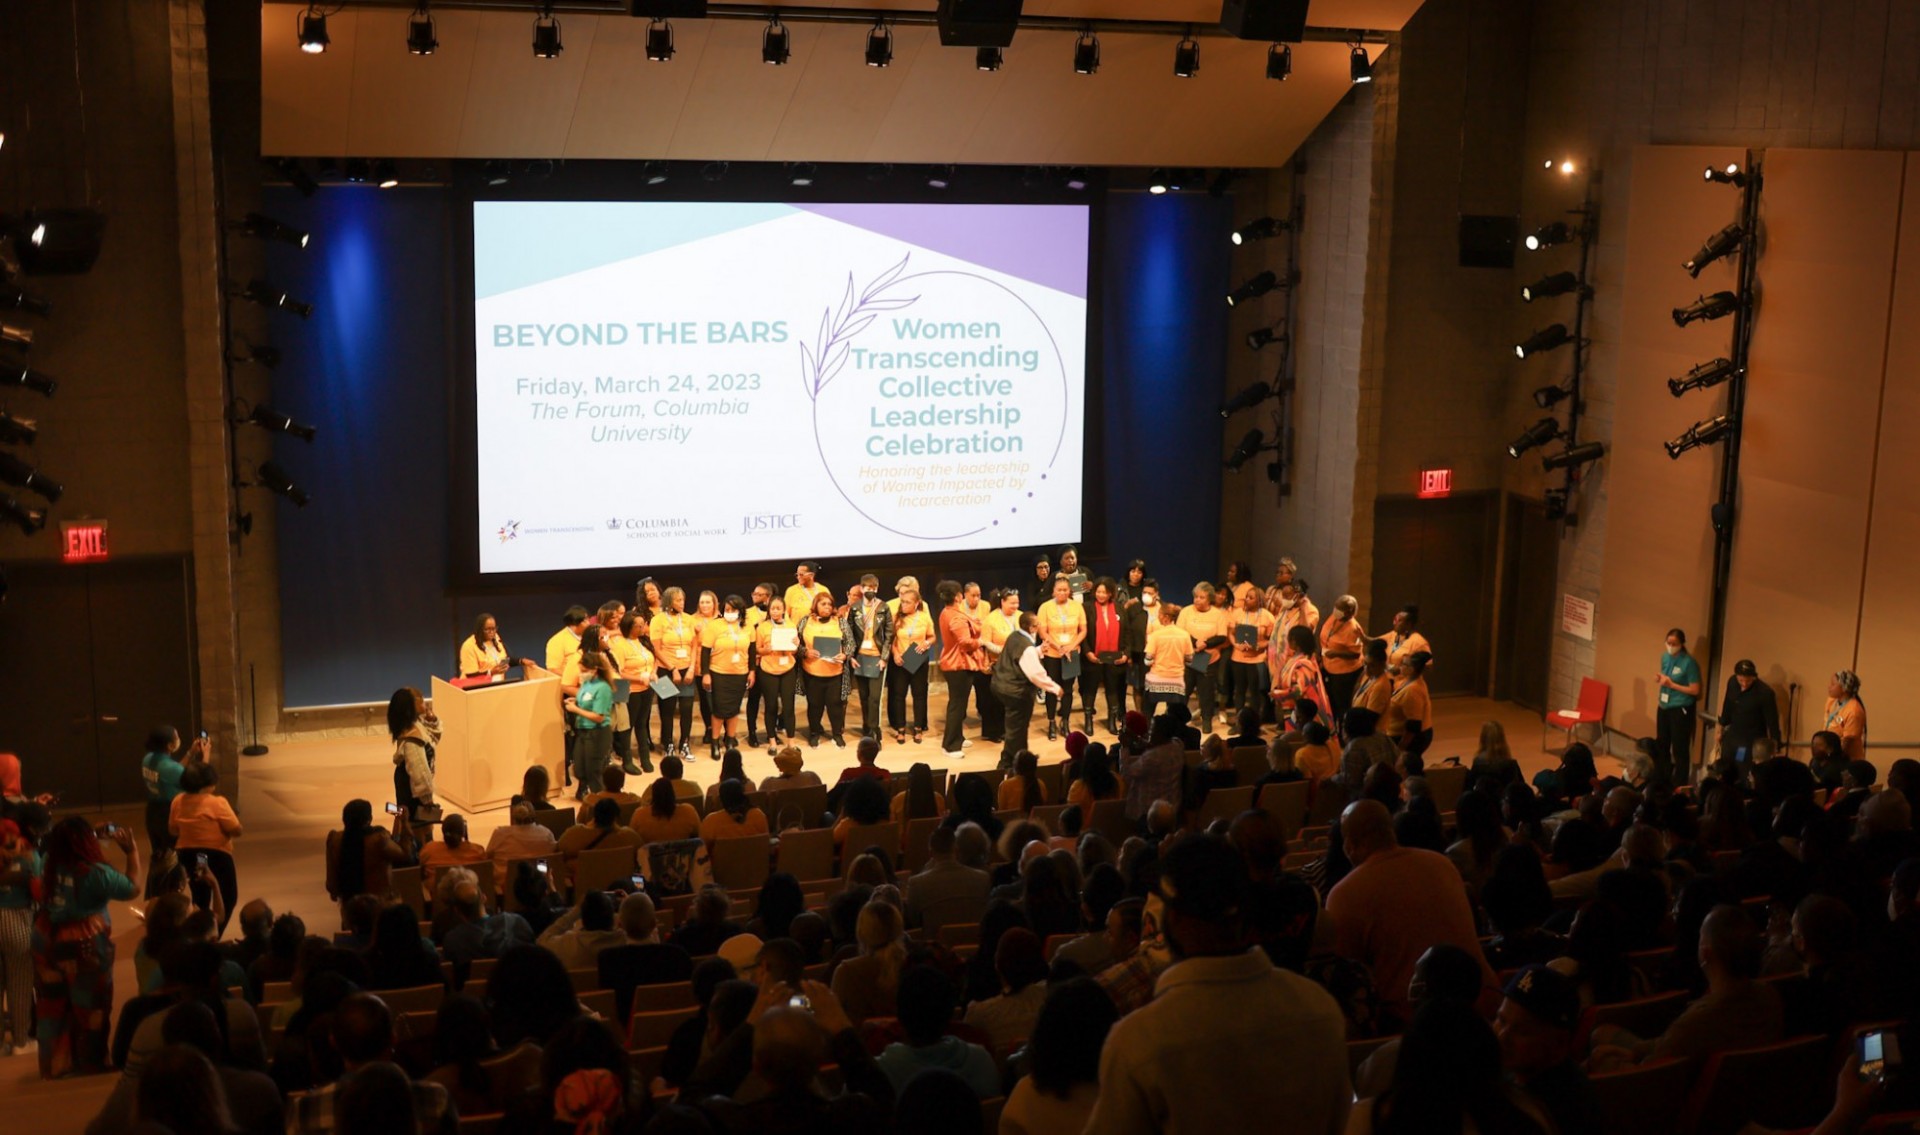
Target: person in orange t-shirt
(778,679)
(1247,666)
(1342,639)
(1206,624)
(1060,627)
(912,630)
(963,663)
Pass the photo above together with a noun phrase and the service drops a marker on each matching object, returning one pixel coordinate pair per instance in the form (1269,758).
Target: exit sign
(83,541)
(1435,483)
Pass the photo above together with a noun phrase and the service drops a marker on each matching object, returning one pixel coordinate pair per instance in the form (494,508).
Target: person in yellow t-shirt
(1169,647)
(1341,640)
(1060,627)
(825,677)
(676,649)
(565,642)
(1235,590)
(1405,639)
(777,678)
(901,586)
(485,652)
(1375,688)
(608,618)
(706,612)
(726,670)
(1001,620)
(1409,719)
(1846,715)
(912,630)
(800,596)
(1207,625)
(636,664)
(971,602)
(1247,666)
(1291,608)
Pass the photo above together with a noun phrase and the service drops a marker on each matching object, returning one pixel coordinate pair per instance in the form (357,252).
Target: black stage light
(266,228)
(654,173)
(1719,305)
(1262,229)
(1261,336)
(21,475)
(263,356)
(1706,432)
(17,431)
(1076,178)
(1253,289)
(266,295)
(1730,174)
(714,171)
(660,41)
(1547,397)
(296,175)
(546,34)
(19,374)
(1574,456)
(30,520)
(358,170)
(313,30)
(275,480)
(1243,453)
(1279,62)
(16,335)
(1723,243)
(1546,236)
(496,171)
(386,173)
(1558,284)
(879,44)
(1536,435)
(17,300)
(939,177)
(1359,67)
(802,174)
(273,421)
(1186,58)
(55,242)
(776,43)
(988,58)
(1251,396)
(1546,339)
(1157,182)
(1708,374)
(421,39)
(1086,53)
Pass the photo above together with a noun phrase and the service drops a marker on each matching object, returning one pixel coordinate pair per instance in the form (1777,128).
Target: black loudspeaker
(978,23)
(667,9)
(1275,21)
(1487,242)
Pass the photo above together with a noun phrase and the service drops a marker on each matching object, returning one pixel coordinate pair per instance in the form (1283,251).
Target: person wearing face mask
(872,639)
(1748,712)
(1673,719)
(1341,641)
(1405,638)
(726,670)
(1140,617)
(1296,610)
(1846,715)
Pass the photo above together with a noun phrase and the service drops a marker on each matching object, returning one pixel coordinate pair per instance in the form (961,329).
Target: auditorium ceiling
(483,94)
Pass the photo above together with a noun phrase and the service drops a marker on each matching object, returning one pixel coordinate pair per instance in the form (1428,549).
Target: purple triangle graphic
(1043,244)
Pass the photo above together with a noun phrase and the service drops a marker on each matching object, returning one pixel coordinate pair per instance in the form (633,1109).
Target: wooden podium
(490,736)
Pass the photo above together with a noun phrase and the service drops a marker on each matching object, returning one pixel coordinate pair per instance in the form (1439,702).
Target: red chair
(1591,711)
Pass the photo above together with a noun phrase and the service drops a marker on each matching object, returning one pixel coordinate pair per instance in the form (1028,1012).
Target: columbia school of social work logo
(509,531)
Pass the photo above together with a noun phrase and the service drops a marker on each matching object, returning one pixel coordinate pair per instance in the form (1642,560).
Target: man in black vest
(1016,674)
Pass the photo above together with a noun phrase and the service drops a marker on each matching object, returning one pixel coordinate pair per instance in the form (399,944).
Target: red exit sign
(1435,483)
(83,541)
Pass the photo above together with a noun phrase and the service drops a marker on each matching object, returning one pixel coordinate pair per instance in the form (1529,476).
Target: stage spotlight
(17,431)
(53,242)
(1076,178)
(714,171)
(1546,339)
(273,421)
(1546,236)
(21,475)
(1547,397)
(15,335)
(802,174)
(30,520)
(1253,289)
(266,295)
(1708,432)
(1359,67)
(879,44)
(1243,453)
(1157,182)
(275,480)
(988,58)
(1086,53)
(266,228)
(546,34)
(1702,377)
(1723,243)
(358,170)
(660,41)
(1279,62)
(1262,229)
(296,175)
(1558,284)
(1245,400)
(421,39)
(1186,57)
(1730,174)
(17,300)
(1574,456)
(19,374)
(1719,305)
(654,173)
(496,172)
(1536,435)
(1261,336)
(386,173)
(313,30)
(939,177)
(776,43)
(264,357)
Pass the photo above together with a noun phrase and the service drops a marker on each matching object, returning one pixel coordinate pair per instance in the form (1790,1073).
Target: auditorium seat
(602,1003)
(555,820)
(1225,804)
(603,868)
(741,863)
(1645,1017)
(807,854)
(1048,816)
(919,836)
(1053,777)
(863,836)
(404,882)
(959,933)
(1781,1086)
(990,1114)
(666,995)
(645,1064)
(1110,820)
(1445,783)
(1287,804)
(1642,1100)
(1249,764)
(651,1030)
(811,801)
(416,999)
(584,980)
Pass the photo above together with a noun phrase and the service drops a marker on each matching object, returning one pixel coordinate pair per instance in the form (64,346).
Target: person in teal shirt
(73,945)
(20,864)
(592,710)
(1674,719)
(161,770)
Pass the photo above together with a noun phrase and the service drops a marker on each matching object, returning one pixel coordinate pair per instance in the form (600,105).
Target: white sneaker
(953,755)
(26,1049)
(965,744)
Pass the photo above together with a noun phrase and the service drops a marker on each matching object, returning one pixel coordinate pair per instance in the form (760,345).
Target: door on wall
(1530,565)
(1438,555)
(92,657)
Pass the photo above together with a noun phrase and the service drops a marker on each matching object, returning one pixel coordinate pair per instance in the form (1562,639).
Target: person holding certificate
(726,670)
(1061,625)
(872,627)
(775,642)
(824,635)
(676,649)
(1252,631)
(1206,624)
(1071,572)
(912,643)
(484,653)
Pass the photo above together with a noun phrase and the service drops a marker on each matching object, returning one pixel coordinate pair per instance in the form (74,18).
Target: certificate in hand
(1069,667)
(663,688)
(913,657)
(866,665)
(783,638)
(1247,634)
(828,647)
(1200,662)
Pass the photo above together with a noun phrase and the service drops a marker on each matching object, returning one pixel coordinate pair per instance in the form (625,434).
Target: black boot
(1088,725)
(1052,732)
(646,759)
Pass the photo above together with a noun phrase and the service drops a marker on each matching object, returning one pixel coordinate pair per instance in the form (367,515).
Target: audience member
(521,838)
(1009,1015)
(1737,1011)
(1156,773)
(707,923)
(362,1035)
(603,831)
(613,780)
(477,934)
(1063,1075)
(865,985)
(1536,1026)
(399,957)
(1449,1078)
(578,936)
(927,1001)
(452,849)
(642,959)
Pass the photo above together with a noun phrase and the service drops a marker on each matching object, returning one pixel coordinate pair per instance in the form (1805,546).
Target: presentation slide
(681,382)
